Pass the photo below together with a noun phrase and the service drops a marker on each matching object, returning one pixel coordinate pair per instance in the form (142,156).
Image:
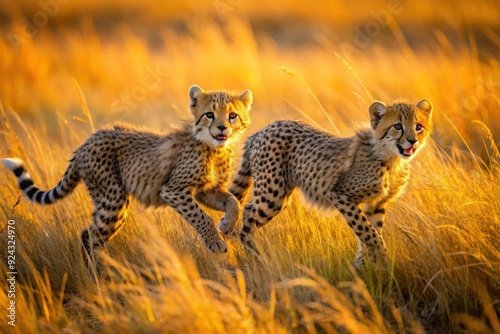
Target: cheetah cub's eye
(232,115)
(398,126)
(419,128)
(209,115)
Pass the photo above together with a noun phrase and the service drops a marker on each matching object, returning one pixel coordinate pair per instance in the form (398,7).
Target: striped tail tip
(30,190)
(16,166)
(23,177)
(12,163)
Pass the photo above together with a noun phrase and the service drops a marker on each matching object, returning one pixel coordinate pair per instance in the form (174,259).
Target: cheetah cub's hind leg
(268,201)
(108,217)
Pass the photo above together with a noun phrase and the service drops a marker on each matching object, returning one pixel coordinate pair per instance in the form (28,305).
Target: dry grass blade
(84,106)
(11,138)
(303,113)
(309,90)
(349,67)
(465,143)
(489,136)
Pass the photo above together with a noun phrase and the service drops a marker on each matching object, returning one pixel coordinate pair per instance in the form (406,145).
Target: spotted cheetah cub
(179,169)
(368,168)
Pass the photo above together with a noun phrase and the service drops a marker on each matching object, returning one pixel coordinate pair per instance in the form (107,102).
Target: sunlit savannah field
(69,67)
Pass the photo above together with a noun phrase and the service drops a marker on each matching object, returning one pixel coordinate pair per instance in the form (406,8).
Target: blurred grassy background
(324,62)
(445,51)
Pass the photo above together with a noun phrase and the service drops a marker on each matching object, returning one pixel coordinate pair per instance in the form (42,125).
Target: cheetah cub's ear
(195,93)
(246,98)
(377,110)
(425,106)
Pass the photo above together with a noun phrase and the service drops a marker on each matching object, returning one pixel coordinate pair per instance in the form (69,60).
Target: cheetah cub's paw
(226,225)
(359,261)
(218,246)
(378,260)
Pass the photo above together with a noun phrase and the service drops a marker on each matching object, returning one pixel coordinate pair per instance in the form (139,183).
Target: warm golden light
(67,67)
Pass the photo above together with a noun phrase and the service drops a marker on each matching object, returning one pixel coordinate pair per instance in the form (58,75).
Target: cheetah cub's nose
(412,141)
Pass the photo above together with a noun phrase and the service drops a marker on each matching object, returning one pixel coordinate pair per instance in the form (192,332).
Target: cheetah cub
(369,168)
(179,169)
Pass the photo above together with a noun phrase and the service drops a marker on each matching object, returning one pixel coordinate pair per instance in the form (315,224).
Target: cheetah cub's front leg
(376,215)
(370,239)
(221,200)
(181,199)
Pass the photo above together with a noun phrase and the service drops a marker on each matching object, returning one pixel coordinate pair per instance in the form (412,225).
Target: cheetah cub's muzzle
(223,135)
(408,149)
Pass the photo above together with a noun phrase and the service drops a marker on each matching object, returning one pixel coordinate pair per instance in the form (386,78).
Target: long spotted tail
(30,190)
(243,179)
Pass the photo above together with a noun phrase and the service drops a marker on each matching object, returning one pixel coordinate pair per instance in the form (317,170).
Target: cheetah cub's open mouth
(221,137)
(407,152)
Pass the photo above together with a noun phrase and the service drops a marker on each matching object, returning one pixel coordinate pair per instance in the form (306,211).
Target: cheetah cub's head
(220,117)
(401,128)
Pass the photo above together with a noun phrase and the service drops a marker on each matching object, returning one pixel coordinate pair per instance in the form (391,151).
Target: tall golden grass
(443,234)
